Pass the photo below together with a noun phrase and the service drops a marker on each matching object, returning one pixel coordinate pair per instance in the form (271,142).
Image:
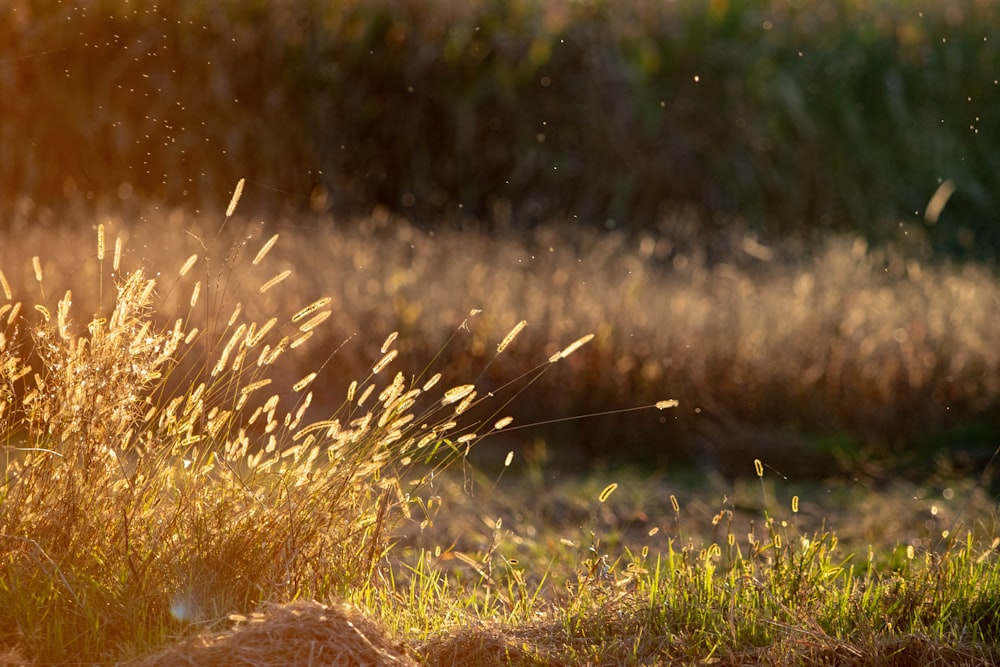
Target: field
(562,333)
(173,464)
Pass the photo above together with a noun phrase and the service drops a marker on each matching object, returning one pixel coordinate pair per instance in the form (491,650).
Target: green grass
(171,466)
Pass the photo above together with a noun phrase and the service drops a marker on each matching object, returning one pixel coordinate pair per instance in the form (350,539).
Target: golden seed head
(254,338)
(195,293)
(456,394)
(674,503)
(653,531)
(301,339)
(510,457)
(44,311)
(384,361)
(311,308)
(608,490)
(759,467)
(304,382)
(100,242)
(6,286)
(188,264)
(389,341)
(237,193)
(669,403)
(574,346)
(501,423)
(265,249)
(118,254)
(36,264)
(254,386)
(351,389)
(466,403)
(433,381)
(365,394)
(509,338)
(275,280)
(795,504)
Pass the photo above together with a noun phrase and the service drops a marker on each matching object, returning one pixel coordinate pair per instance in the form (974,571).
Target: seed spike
(608,490)
(237,193)
(509,338)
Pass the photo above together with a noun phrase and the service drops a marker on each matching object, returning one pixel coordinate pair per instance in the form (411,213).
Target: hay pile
(306,634)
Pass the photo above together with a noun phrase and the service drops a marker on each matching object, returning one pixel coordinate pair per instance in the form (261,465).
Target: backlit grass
(172,463)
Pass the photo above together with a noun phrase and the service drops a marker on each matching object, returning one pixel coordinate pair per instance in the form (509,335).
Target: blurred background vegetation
(702,138)
(800,117)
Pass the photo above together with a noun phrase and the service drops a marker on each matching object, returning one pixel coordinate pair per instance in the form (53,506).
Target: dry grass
(872,345)
(188,448)
(160,473)
(300,633)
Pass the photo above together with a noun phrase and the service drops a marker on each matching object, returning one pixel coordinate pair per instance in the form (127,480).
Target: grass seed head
(502,423)
(509,338)
(188,264)
(456,394)
(608,490)
(237,193)
(431,382)
(389,341)
(275,280)
(311,308)
(266,248)
(572,347)
(384,361)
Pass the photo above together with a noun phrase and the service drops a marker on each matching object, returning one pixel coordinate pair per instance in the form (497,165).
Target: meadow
(223,446)
(564,333)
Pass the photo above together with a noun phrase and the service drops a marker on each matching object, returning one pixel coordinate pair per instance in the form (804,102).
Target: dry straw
(300,633)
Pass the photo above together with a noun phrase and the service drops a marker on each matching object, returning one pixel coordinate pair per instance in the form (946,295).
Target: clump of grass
(160,476)
(774,593)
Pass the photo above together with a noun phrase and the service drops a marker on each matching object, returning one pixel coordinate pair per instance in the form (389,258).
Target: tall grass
(160,474)
(175,462)
(800,358)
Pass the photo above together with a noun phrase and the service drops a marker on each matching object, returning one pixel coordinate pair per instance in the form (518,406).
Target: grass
(177,479)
